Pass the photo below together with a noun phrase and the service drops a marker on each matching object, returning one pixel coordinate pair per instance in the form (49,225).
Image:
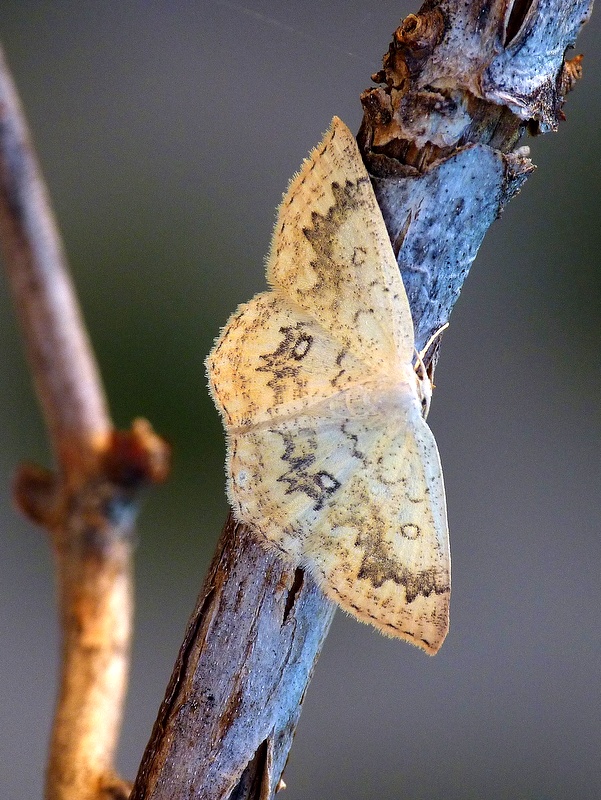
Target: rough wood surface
(234,696)
(460,83)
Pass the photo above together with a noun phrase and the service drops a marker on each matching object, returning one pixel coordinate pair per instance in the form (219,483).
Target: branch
(461,82)
(233,698)
(87,506)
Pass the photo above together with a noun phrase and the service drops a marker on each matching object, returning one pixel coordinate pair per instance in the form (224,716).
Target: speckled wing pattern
(329,458)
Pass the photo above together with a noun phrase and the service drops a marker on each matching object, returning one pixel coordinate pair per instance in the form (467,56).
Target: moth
(330,460)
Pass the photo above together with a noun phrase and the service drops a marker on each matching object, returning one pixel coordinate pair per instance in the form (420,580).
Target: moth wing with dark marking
(331,255)
(358,499)
(274,360)
(329,458)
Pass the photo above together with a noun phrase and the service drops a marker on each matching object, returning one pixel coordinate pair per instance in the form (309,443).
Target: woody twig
(459,85)
(86,504)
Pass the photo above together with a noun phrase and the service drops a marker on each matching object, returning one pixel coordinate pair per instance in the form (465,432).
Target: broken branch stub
(460,83)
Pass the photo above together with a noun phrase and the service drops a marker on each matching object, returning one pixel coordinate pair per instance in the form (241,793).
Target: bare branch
(88,506)
(442,170)
(234,694)
(61,359)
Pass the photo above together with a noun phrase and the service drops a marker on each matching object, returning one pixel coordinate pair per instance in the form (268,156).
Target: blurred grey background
(168,132)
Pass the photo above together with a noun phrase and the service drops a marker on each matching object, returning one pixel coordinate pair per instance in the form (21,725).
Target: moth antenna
(431,340)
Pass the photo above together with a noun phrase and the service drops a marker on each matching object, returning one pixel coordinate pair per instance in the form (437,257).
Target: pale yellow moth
(330,459)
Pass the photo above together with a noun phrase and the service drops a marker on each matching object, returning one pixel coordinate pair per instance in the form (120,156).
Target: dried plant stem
(96,613)
(86,505)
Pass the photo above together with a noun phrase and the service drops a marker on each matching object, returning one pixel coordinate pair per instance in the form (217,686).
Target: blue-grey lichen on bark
(460,85)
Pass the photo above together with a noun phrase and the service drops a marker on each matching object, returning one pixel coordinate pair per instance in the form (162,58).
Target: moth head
(424,380)
(424,385)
